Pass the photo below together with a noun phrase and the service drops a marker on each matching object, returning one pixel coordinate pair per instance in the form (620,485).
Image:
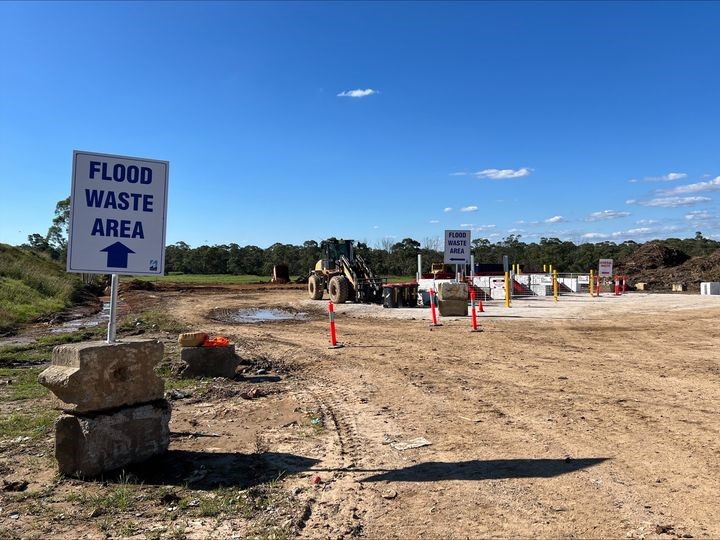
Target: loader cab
(334,249)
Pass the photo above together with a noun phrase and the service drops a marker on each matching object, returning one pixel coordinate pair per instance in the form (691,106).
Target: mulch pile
(660,267)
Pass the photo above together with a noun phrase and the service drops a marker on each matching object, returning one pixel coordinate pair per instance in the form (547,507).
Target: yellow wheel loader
(345,275)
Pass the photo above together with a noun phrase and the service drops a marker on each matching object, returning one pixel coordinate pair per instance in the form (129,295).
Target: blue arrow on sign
(457,259)
(117,255)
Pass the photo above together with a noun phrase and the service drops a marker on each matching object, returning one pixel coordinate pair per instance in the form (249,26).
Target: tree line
(387,258)
(400,258)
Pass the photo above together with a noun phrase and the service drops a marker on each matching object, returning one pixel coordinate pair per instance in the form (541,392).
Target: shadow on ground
(491,469)
(211,470)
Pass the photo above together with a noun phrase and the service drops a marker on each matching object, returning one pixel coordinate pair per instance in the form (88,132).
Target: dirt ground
(584,418)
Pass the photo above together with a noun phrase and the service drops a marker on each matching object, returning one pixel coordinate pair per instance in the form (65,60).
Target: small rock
(261,371)
(97,511)
(251,394)
(14,485)
(194,502)
(177,394)
(664,529)
(169,498)
(389,494)
(14,515)
(316,479)
(563,378)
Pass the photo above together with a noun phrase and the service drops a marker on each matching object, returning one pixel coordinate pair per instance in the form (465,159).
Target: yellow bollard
(507,289)
(555,286)
(592,283)
(550,268)
(544,268)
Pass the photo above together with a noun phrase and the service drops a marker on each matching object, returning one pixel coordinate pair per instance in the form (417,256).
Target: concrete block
(641,286)
(87,446)
(97,376)
(209,362)
(679,287)
(453,291)
(453,308)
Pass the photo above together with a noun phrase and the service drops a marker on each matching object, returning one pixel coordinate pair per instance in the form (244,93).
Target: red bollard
(432,309)
(333,336)
(474,316)
(617,285)
(597,289)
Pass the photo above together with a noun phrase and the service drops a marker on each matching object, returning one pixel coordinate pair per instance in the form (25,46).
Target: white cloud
(466,225)
(646,221)
(447,209)
(711,185)
(471,208)
(376,226)
(698,215)
(503,174)
(594,235)
(607,214)
(555,219)
(670,202)
(459,173)
(669,177)
(484,227)
(514,230)
(433,221)
(358,93)
(639,230)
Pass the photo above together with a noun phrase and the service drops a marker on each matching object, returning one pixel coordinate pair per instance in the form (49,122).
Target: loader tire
(339,289)
(315,287)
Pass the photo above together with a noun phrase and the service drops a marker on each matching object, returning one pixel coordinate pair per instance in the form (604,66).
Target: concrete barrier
(91,377)
(115,414)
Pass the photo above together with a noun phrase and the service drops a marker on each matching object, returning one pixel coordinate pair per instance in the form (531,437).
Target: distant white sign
(118,209)
(457,247)
(605,268)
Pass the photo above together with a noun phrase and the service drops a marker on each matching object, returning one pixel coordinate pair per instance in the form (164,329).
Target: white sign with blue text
(457,247)
(118,209)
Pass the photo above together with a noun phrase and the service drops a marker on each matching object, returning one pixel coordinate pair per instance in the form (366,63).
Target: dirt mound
(654,255)
(691,273)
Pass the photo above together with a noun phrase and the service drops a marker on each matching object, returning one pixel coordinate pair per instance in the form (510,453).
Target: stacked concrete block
(199,361)
(453,299)
(114,411)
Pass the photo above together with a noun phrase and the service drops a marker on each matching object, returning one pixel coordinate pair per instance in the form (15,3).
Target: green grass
(33,424)
(23,385)
(399,279)
(32,286)
(205,279)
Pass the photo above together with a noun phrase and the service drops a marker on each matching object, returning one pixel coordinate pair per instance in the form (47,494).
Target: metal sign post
(113,308)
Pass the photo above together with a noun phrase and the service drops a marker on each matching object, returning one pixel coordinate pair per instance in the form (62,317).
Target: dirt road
(585,418)
(593,421)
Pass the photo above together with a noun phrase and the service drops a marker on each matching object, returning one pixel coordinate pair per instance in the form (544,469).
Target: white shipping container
(710,288)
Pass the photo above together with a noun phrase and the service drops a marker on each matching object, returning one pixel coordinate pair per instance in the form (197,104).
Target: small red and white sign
(605,268)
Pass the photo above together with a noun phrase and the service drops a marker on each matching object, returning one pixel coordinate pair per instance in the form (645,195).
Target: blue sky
(285,122)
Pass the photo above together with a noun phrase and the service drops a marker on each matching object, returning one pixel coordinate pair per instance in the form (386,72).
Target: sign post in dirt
(118,211)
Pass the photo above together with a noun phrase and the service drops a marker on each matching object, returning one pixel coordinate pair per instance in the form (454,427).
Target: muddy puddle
(257,315)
